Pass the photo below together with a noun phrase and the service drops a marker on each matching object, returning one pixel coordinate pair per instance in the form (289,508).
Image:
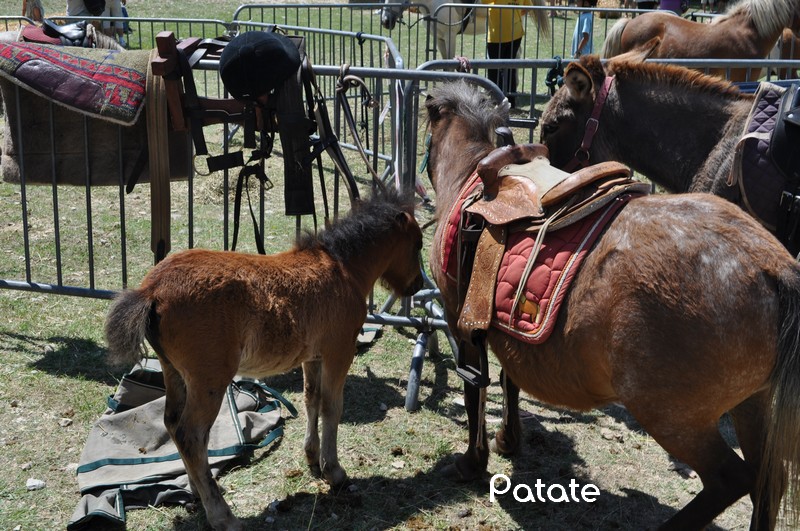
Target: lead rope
(345,82)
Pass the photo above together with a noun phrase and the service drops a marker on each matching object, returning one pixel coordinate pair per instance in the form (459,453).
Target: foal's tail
(126,326)
(782,448)
(613,44)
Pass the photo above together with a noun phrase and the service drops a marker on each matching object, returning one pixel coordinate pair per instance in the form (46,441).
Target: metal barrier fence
(77,240)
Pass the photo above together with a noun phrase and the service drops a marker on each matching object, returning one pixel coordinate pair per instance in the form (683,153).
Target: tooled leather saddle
(516,238)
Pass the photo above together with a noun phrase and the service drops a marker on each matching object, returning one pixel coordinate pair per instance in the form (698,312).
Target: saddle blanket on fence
(107,84)
(558,261)
(130,461)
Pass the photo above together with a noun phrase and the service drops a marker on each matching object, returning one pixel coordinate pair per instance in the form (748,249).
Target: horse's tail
(613,44)
(780,467)
(542,18)
(126,327)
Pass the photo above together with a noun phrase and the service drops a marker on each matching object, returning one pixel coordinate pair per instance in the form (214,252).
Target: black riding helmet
(256,62)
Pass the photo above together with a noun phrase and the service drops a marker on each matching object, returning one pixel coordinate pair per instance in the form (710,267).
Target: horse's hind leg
(749,420)
(699,444)
(175,396)
(507,438)
(191,433)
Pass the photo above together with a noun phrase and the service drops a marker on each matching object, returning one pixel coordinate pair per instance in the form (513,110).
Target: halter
(581,157)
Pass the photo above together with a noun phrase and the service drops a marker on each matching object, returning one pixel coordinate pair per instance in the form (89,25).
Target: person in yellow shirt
(505,29)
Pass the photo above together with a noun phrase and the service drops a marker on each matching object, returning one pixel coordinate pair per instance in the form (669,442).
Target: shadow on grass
(381,502)
(62,356)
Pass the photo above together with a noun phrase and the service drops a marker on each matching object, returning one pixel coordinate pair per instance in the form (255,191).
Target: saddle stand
(519,192)
(295,112)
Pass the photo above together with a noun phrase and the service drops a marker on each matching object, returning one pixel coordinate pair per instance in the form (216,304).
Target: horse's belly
(261,357)
(574,377)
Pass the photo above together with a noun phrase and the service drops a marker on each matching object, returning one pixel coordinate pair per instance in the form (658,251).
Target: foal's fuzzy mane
(672,76)
(768,16)
(370,221)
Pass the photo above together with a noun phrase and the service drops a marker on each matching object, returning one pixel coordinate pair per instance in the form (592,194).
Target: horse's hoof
(500,446)
(461,470)
(315,470)
(336,477)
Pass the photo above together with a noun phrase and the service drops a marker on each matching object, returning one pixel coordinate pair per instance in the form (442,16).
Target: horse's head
(563,121)
(403,248)
(392,13)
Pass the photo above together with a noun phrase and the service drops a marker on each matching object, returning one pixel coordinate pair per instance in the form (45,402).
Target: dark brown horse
(685,308)
(210,315)
(748,30)
(673,125)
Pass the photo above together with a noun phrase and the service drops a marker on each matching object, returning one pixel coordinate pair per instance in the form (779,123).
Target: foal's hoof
(462,470)
(336,477)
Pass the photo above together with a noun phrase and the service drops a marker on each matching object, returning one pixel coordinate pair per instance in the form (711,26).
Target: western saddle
(520,191)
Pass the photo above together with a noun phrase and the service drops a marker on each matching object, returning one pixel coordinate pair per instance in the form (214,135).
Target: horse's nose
(388,21)
(415,286)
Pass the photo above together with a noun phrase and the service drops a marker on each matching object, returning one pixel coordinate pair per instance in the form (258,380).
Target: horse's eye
(549,128)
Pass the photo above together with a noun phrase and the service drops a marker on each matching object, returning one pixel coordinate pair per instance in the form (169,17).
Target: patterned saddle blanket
(106,84)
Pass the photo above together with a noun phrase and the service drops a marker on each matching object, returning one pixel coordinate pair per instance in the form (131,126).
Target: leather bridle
(581,157)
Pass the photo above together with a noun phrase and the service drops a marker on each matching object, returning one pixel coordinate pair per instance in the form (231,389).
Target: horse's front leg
(335,364)
(312,374)
(472,463)
(507,439)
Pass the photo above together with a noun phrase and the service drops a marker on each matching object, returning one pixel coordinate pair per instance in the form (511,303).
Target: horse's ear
(578,82)
(434,110)
(404,218)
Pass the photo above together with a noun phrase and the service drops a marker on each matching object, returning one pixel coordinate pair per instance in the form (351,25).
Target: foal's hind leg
(190,433)
(749,420)
(698,443)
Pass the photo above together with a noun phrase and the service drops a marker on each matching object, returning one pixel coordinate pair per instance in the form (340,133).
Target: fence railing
(92,241)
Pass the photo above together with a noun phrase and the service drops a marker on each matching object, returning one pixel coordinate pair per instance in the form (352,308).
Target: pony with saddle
(685,131)
(659,287)
(749,29)
(210,315)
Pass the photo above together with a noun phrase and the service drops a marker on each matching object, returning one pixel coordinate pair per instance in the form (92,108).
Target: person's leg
(493,52)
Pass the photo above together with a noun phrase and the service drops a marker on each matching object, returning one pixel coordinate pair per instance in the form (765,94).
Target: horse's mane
(768,16)
(369,221)
(672,76)
(481,114)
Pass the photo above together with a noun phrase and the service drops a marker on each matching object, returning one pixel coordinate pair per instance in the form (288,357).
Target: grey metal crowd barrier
(76,240)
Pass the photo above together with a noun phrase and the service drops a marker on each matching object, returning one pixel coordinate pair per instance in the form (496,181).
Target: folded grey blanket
(130,462)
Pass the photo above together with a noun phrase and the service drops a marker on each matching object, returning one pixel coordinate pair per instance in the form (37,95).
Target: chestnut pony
(749,29)
(210,315)
(685,308)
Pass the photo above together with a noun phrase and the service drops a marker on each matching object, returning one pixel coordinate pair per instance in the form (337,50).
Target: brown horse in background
(675,126)
(210,315)
(685,308)
(748,30)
